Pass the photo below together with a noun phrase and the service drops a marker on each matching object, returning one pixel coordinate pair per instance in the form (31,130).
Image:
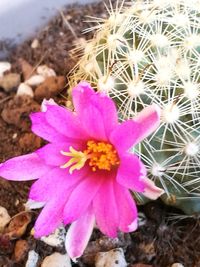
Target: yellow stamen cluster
(101,155)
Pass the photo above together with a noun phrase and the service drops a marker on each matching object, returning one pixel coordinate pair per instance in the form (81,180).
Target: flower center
(100,155)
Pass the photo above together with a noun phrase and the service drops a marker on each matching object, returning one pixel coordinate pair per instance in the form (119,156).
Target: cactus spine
(149,52)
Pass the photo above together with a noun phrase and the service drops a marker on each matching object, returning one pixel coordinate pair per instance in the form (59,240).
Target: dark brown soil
(159,242)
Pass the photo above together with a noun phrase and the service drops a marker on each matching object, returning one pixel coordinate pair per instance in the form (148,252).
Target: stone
(35,44)
(4,217)
(4,66)
(35,80)
(177,265)
(45,71)
(56,260)
(33,258)
(55,239)
(21,250)
(27,69)
(10,81)
(25,89)
(112,258)
(18,225)
(142,220)
(140,265)
(32,205)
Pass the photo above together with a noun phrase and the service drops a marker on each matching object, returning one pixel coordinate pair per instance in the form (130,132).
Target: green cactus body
(149,52)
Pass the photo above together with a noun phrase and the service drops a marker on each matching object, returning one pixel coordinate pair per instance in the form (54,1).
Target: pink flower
(85,172)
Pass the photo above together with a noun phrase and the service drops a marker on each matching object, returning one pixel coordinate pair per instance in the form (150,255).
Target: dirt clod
(17,111)
(50,88)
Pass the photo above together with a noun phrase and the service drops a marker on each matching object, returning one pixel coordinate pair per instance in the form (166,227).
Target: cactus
(149,52)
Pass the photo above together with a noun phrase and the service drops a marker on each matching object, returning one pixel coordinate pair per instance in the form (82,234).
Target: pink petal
(84,95)
(127,209)
(125,135)
(51,153)
(78,234)
(45,104)
(151,190)
(51,216)
(81,96)
(106,209)
(131,172)
(65,122)
(41,127)
(108,111)
(81,197)
(93,123)
(131,132)
(23,168)
(149,120)
(53,182)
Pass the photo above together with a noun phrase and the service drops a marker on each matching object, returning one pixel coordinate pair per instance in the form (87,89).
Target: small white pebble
(55,239)
(112,258)
(4,66)
(32,259)
(45,71)
(56,260)
(4,217)
(14,136)
(35,80)
(35,44)
(32,205)
(17,202)
(177,265)
(24,89)
(142,220)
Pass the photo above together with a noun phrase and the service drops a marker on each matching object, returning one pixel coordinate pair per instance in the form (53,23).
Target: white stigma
(157,170)
(191,90)
(170,113)
(135,88)
(191,149)
(105,83)
(159,40)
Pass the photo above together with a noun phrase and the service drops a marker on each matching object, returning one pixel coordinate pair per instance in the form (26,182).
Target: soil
(161,239)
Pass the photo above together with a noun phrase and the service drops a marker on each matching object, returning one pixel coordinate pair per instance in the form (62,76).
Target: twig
(68,24)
